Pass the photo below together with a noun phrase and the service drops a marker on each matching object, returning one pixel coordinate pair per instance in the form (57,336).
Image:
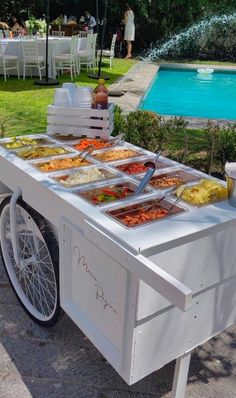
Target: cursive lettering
(99,292)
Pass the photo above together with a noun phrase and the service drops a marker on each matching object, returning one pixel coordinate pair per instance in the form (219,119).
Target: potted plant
(59,21)
(31,25)
(41,27)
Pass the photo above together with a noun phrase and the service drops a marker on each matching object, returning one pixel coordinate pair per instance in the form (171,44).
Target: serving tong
(86,152)
(167,192)
(117,140)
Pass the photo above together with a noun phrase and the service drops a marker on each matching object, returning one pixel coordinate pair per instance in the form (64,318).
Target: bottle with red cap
(100,98)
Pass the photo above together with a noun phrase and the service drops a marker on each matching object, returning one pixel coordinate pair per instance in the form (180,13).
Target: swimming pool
(187,93)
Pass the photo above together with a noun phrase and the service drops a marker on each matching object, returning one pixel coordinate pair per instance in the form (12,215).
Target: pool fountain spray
(196,34)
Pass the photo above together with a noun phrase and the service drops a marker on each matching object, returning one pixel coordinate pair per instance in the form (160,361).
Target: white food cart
(144,296)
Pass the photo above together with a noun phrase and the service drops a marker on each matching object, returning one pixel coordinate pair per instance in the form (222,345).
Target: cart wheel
(35,279)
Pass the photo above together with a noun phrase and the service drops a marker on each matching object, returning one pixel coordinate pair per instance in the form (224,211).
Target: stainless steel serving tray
(195,183)
(76,142)
(161,164)
(136,152)
(96,189)
(108,175)
(182,175)
(39,162)
(68,151)
(40,140)
(131,208)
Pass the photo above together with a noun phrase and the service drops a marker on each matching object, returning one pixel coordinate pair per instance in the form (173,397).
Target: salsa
(107,194)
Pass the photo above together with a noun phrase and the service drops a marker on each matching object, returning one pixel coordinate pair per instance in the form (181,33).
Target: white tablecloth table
(56,45)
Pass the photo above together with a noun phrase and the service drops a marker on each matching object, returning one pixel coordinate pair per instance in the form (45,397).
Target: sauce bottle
(100,97)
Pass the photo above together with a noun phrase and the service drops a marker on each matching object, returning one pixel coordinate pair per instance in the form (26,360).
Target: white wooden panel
(84,112)
(171,333)
(76,121)
(94,283)
(105,133)
(178,293)
(198,265)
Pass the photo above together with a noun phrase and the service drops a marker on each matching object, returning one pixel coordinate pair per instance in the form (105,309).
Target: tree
(155,19)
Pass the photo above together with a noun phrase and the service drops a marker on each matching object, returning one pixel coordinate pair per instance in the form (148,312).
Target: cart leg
(181,376)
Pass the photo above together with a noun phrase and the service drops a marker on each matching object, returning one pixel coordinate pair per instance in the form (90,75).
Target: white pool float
(205,70)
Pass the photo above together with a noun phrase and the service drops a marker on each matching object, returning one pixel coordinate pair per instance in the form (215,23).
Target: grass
(25,104)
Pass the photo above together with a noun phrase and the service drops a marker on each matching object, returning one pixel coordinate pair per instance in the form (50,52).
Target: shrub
(154,132)
(119,121)
(207,150)
(142,129)
(225,147)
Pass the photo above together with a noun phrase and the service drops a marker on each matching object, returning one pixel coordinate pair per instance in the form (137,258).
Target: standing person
(90,21)
(129,29)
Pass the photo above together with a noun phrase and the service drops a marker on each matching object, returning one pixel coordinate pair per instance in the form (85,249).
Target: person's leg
(129,49)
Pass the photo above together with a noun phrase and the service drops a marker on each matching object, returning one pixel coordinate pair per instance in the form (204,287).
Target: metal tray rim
(105,211)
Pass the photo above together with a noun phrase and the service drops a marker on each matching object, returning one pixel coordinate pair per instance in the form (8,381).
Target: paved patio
(60,362)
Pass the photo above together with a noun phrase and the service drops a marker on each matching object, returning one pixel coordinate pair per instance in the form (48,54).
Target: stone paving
(60,362)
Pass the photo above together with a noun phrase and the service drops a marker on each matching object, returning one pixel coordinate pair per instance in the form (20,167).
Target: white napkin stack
(230,169)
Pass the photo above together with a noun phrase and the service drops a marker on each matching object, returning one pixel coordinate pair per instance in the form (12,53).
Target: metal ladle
(151,169)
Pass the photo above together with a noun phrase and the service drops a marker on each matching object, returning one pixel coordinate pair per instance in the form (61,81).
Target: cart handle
(165,284)
(15,196)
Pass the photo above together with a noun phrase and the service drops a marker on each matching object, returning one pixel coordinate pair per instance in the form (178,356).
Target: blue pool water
(187,93)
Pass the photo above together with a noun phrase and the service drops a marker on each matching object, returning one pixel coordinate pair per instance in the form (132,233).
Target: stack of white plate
(72,96)
(62,97)
(83,97)
(71,87)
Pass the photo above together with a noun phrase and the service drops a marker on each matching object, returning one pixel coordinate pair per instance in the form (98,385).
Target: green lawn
(25,104)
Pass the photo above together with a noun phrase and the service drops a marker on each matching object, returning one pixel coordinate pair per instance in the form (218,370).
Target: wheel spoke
(37,293)
(41,284)
(34,277)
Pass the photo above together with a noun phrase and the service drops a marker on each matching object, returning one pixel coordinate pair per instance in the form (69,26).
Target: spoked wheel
(35,279)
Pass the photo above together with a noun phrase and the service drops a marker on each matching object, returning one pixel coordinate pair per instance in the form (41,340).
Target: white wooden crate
(77,121)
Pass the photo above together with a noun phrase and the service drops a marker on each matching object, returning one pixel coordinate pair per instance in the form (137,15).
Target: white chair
(109,53)
(83,33)
(8,62)
(87,57)
(58,33)
(67,61)
(7,33)
(31,58)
